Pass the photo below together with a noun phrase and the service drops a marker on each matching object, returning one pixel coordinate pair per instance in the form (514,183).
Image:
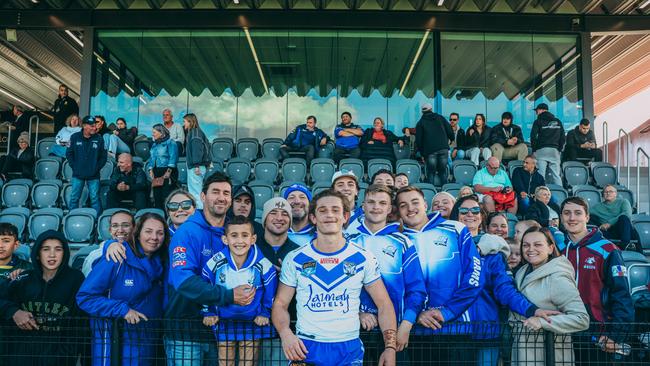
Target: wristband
(390,338)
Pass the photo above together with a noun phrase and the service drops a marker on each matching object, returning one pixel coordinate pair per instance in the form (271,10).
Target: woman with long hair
(162,165)
(198,156)
(62,139)
(179,206)
(477,140)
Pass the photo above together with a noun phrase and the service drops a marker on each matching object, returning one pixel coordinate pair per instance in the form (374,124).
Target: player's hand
(134,317)
(403,332)
(25,320)
(426,319)
(387,357)
(243,295)
(294,349)
(116,252)
(210,321)
(368,321)
(261,321)
(546,314)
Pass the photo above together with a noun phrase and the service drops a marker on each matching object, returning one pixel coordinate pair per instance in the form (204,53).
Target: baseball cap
(89,120)
(426,107)
(344,173)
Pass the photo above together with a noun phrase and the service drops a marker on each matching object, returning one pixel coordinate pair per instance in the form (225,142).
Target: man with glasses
(128,185)
(121,227)
(495,187)
(456,146)
(612,216)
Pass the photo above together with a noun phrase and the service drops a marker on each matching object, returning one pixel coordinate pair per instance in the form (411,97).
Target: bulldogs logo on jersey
(389,250)
(349,269)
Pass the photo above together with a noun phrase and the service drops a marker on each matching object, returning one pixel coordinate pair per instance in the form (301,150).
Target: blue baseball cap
(297,187)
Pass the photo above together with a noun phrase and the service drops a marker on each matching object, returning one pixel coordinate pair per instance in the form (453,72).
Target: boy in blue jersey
(301,231)
(327,278)
(451,266)
(347,184)
(240,263)
(399,266)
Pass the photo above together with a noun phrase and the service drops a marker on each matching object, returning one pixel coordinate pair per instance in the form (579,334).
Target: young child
(522,226)
(238,328)
(8,244)
(514,259)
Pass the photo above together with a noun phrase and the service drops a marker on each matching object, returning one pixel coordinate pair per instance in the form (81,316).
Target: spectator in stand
(432,137)
(41,303)
(128,183)
(401,180)
(20,159)
(547,140)
(127,135)
(443,202)
(62,138)
(346,183)
(457,144)
(347,136)
(377,142)
(63,107)
(9,243)
(465,191)
(602,282)
(525,181)
(162,165)
(179,205)
(305,138)
(86,156)
(243,204)
(497,224)
(522,226)
(198,155)
(547,280)
(384,177)
(176,132)
(467,210)
(121,227)
(19,125)
(581,143)
(131,290)
(495,186)
(543,209)
(612,216)
(507,140)
(114,145)
(477,140)
(301,231)
(514,258)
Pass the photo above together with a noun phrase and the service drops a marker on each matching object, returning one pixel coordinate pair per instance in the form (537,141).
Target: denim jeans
(184,353)
(195,184)
(58,150)
(115,145)
(93,192)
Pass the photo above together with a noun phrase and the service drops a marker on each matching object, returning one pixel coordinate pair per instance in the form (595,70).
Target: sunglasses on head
(466,210)
(174,206)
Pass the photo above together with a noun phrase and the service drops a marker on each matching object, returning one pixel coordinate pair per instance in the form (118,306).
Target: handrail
(605,141)
(640,151)
(31,119)
(627,155)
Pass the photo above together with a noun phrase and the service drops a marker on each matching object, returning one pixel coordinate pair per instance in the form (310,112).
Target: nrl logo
(308,268)
(349,269)
(389,250)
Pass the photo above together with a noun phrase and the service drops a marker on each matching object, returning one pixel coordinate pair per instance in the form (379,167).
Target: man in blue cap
(301,231)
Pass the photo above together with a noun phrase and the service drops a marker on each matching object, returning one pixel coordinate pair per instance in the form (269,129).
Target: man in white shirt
(176,132)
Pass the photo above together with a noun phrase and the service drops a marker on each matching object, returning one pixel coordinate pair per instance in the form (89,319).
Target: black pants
(437,167)
(621,230)
(309,150)
(116,199)
(340,153)
(9,164)
(161,193)
(572,153)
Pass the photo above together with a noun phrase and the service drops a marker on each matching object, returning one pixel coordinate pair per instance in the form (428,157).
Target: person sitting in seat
(581,143)
(127,135)
(507,140)
(612,216)
(62,139)
(495,186)
(20,159)
(525,181)
(543,209)
(305,138)
(377,142)
(347,136)
(128,183)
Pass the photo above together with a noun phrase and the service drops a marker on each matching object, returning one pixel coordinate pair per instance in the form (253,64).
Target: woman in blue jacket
(132,290)
(162,164)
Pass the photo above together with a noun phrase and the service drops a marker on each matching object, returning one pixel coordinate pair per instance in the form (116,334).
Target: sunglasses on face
(453,119)
(174,206)
(466,210)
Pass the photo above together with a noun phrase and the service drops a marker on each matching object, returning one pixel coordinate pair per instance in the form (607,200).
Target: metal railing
(640,151)
(628,141)
(605,142)
(31,122)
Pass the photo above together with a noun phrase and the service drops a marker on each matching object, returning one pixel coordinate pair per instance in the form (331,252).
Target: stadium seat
(222,149)
(429,192)
(463,172)
(353,165)
(626,194)
(44,146)
(558,193)
(375,165)
(266,170)
(248,148)
(24,252)
(294,169)
(158,211)
(512,221)
(575,173)
(142,148)
(361,196)
(17,216)
(262,191)
(411,168)
(603,174)
(106,171)
(590,194)
(271,148)
(642,226)
(77,260)
(46,193)
(181,167)
(318,187)
(402,153)
(631,257)
(285,184)
(47,168)
(79,225)
(452,188)
(215,167)
(239,170)
(104,224)
(322,170)
(42,220)
(514,164)
(15,194)
(638,276)
(66,171)
(66,193)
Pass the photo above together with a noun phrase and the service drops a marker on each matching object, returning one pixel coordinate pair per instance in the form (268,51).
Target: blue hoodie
(451,266)
(400,270)
(110,291)
(193,244)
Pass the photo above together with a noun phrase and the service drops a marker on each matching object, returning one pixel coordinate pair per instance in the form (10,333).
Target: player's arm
(387,320)
(292,346)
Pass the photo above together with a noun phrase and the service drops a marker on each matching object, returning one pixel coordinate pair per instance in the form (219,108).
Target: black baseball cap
(90,120)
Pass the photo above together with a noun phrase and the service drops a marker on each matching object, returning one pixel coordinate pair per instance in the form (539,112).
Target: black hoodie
(53,305)
(547,131)
(432,134)
(241,190)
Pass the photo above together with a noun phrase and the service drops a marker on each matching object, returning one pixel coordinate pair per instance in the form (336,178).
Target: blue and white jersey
(400,270)
(304,236)
(451,266)
(353,226)
(328,290)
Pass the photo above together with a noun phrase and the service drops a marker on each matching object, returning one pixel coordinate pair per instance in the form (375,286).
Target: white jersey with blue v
(328,288)
(303,236)
(400,270)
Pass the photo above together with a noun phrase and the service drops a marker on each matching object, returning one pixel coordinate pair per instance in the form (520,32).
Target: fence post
(549,348)
(116,353)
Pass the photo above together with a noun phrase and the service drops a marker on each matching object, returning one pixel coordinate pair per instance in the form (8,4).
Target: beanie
(296,187)
(272,204)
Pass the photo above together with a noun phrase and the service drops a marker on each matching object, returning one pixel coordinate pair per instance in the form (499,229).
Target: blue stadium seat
(590,194)
(514,164)
(318,187)
(294,169)
(47,168)
(77,260)
(222,148)
(452,188)
(403,152)
(626,194)
(66,171)
(44,146)
(512,221)
(411,168)
(266,170)
(353,165)
(641,224)
(106,171)
(66,193)
(142,148)
(375,165)
(322,170)
(464,171)
(271,148)
(104,224)
(262,191)
(239,170)
(15,194)
(158,211)
(638,276)
(43,220)
(248,148)
(17,216)
(46,193)
(575,173)
(603,174)
(558,193)
(181,168)
(429,192)
(216,167)
(79,225)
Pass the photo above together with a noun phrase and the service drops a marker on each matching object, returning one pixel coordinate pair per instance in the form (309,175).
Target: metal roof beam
(585,6)
(550,6)
(517,5)
(485,5)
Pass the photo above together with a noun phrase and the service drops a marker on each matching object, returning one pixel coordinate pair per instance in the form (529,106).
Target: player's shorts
(348,353)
